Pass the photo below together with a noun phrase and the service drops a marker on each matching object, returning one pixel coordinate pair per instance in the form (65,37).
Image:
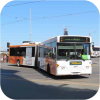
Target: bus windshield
(73,51)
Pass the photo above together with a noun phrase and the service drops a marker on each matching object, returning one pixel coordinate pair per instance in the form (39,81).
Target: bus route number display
(74,39)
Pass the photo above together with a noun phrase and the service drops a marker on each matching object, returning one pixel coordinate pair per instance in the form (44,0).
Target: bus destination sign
(74,39)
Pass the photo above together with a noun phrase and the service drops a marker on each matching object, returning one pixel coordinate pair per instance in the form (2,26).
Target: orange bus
(24,54)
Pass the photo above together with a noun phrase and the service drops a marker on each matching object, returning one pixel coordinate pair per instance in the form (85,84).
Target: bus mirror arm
(83,59)
(67,59)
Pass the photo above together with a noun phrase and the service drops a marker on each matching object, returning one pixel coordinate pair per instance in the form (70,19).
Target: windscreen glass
(73,51)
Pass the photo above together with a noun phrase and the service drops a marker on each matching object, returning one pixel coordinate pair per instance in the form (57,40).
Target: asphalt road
(31,83)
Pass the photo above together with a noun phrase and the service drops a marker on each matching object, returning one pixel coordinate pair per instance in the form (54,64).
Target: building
(4,52)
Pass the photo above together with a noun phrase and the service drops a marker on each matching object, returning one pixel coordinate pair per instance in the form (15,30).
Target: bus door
(28,58)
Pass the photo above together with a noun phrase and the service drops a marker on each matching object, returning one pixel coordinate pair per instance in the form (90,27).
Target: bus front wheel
(18,63)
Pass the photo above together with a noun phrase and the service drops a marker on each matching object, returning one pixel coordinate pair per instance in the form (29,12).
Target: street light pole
(30,24)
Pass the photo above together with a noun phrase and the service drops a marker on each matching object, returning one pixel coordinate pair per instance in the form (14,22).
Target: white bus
(65,55)
(95,51)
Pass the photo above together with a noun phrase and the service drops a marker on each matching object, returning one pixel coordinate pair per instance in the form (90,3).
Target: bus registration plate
(76,63)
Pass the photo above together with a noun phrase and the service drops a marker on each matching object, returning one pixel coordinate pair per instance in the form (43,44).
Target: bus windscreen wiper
(67,59)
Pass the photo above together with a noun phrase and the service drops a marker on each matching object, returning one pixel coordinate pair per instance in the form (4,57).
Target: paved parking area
(31,83)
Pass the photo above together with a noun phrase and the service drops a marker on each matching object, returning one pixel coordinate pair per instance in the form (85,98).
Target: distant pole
(30,24)
(91,32)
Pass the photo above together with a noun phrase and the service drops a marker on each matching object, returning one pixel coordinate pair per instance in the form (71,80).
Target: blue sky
(46,28)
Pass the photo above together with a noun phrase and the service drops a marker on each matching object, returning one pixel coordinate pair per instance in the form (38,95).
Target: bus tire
(18,63)
(48,68)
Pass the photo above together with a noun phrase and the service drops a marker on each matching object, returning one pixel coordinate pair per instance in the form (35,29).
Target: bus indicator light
(61,40)
(86,39)
(57,65)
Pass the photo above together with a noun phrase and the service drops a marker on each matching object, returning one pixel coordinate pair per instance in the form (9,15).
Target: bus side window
(33,51)
(23,51)
(46,51)
(39,51)
(12,52)
(54,43)
(54,52)
(18,52)
(23,54)
(49,53)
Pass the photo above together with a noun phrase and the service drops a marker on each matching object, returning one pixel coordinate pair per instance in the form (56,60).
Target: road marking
(63,82)
(83,84)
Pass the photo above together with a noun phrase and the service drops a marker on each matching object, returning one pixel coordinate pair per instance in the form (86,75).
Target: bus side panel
(46,63)
(52,65)
(13,59)
(36,56)
(29,62)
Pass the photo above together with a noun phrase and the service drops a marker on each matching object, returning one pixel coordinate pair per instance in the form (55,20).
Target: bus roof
(65,36)
(73,35)
(14,46)
(25,44)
